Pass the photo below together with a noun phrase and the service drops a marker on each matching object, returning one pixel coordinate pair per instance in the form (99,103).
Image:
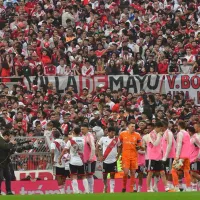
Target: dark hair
(6,133)
(165,123)
(77,131)
(85,125)
(56,134)
(108,95)
(151,98)
(37,123)
(111,129)
(130,123)
(191,129)
(182,124)
(159,124)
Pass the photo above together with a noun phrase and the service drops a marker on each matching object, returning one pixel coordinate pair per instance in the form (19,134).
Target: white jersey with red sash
(64,128)
(190,58)
(76,147)
(110,146)
(58,145)
(87,71)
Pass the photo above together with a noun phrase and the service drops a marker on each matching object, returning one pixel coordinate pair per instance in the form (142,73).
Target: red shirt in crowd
(163,68)
(50,70)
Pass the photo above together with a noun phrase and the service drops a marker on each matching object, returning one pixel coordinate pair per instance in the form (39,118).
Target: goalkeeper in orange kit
(131,142)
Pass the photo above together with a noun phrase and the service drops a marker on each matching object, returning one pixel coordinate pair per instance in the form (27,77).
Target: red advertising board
(51,187)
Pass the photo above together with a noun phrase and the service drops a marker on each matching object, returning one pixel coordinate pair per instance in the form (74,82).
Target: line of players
(158,152)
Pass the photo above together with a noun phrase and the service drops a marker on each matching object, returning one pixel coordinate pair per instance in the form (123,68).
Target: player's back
(154,151)
(194,147)
(172,151)
(185,149)
(88,142)
(58,145)
(76,146)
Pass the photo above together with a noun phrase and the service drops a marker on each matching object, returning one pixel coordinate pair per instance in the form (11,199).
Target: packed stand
(66,38)
(39,112)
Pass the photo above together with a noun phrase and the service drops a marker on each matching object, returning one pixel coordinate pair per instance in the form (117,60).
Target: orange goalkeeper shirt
(129,142)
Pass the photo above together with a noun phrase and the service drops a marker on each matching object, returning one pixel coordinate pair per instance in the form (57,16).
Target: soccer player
(195,156)
(131,142)
(168,149)
(89,155)
(76,148)
(183,153)
(154,152)
(56,149)
(110,145)
(66,158)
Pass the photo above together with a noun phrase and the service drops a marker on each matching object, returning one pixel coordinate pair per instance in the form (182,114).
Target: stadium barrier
(51,187)
(189,84)
(34,154)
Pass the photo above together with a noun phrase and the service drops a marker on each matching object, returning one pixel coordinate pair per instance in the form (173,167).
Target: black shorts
(77,170)
(110,168)
(61,172)
(90,167)
(67,173)
(168,165)
(140,169)
(195,166)
(154,165)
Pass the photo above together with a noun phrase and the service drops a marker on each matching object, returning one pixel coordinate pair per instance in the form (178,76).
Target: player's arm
(157,141)
(119,150)
(169,145)
(52,155)
(53,147)
(195,141)
(64,151)
(198,157)
(99,151)
(179,145)
(92,146)
(139,144)
(141,151)
(144,141)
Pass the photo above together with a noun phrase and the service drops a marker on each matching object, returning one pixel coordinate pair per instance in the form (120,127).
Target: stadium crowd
(67,38)
(99,37)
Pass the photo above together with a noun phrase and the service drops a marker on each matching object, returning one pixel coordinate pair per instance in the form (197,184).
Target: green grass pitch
(116,196)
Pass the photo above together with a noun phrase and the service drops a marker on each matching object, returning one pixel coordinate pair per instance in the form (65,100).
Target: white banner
(189,84)
(134,84)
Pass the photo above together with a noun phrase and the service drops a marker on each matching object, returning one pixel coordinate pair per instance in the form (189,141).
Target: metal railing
(33,153)
(31,161)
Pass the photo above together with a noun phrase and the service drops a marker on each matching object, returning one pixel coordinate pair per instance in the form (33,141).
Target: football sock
(132,182)
(85,184)
(139,188)
(156,180)
(61,189)
(125,177)
(112,185)
(175,177)
(187,178)
(91,184)
(75,186)
(194,186)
